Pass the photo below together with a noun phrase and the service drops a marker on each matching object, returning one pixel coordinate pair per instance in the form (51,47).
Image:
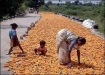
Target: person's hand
(38,49)
(69,65)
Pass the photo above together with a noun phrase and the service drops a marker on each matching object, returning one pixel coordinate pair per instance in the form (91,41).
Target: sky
(82,1)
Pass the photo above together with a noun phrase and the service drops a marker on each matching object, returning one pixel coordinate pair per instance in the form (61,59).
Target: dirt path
(23,23)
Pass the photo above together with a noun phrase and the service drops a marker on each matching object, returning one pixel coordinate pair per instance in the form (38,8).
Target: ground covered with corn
(92,53)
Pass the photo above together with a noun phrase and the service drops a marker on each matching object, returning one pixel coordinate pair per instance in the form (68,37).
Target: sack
(64,35)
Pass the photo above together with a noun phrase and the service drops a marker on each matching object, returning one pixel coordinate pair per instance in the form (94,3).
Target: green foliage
(68,4)
(22,8)
(49,2)
(85,11)
(44,8)
(9,7)
(47,7)
(102,13)
(76,2)
(58,9)
(71,12)
(35,3)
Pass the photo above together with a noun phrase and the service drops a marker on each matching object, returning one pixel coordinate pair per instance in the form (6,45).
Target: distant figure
(37,10)
(13,38)
(65,41)
(41,50)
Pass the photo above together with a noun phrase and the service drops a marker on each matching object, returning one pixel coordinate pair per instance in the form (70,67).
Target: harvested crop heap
(92,53)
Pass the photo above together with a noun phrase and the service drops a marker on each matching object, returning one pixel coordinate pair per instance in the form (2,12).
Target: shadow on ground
(84,66)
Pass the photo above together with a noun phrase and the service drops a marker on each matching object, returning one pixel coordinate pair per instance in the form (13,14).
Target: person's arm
(72,43)
(45,49)
(38,48)
(69,53)
(78,55)
(9,34)
(35,50)
(69,56)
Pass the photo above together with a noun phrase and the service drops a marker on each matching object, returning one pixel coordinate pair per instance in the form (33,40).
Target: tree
(80,3)
(57,4)
(60,0)
(102,3)
(48,7)
(36,4)
(76,2)
(89,4)
(9,7)
(68,4)
(49,2)
(102,13)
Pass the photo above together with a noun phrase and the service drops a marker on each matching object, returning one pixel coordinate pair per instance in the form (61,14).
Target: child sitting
(41,50)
